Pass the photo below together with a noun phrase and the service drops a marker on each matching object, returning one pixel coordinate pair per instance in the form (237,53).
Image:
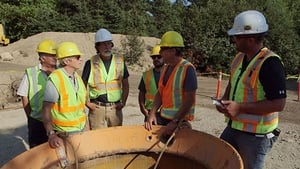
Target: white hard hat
(249,22)
(103,35)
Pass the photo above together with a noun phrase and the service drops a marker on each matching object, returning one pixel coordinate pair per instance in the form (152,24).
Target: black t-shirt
(272,77)
(142,87)
(190,82)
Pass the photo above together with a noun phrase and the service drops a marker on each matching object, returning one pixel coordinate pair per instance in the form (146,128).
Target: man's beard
(106,53)
(159,65)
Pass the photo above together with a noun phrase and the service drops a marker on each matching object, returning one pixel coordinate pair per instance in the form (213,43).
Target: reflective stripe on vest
(68,113)
(172,93)
(150,86)
(37,82)
(100,82)
(249,89)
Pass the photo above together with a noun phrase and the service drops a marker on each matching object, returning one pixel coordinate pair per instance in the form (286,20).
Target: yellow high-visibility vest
(151,88)
(100,82)
(68,113)
(37,82)
(249,89)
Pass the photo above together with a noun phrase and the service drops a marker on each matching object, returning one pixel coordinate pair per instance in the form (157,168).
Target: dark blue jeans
(252,149)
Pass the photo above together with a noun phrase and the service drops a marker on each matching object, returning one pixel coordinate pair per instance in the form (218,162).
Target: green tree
(164,16)
(282,38)
(107,14)
(203,24)
(17,19)
(134,17)
(132,49)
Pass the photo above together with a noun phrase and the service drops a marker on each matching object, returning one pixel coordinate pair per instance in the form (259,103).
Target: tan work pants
(105,116)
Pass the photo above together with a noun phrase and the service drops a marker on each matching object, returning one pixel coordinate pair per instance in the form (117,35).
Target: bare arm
(223,109)
(53,140)
(226,93)
(142,103)
(91,106)
(125,93)
(125,90)
(26,105)
(87,125)
(256,108)
(156,105)
(47,116)
(185,107)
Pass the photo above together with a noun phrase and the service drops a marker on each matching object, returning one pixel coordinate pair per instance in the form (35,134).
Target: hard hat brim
(233,32)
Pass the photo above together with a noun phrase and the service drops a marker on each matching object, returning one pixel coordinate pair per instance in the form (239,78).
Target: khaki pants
(105,116)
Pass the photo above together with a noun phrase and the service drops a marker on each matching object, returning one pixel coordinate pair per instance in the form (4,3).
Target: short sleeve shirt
(190,81)
(142,87)
(24,85)
(51,93)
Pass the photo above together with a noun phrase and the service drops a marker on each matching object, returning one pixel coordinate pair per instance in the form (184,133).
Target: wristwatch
(49,133)
(122,104)
(176,120)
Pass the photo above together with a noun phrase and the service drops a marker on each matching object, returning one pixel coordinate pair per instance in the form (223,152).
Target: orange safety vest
(172,93)
(68,113)
(249,89)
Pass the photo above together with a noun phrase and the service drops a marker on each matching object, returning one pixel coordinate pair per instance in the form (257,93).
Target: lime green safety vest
(37,82)
(249,89)
(100,82)
(68,113)
(172,93)
(150,86)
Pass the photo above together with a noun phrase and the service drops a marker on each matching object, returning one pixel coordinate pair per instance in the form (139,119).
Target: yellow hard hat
(47,46)
(155,50)
(171,39)
(67,49)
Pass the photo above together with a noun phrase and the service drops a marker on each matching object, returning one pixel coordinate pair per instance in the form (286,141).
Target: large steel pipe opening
(132,147)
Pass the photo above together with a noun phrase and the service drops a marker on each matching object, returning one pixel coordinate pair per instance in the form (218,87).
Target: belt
(275,132)
(268,135)
(104,104)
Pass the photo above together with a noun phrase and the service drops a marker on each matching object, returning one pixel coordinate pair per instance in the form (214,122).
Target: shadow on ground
(12,143)
(292,85)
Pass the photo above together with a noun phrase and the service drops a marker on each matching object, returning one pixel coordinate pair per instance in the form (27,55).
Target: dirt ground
(13,131)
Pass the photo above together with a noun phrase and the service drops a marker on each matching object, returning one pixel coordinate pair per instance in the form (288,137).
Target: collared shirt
(86,73)
(24,85)
(51,94)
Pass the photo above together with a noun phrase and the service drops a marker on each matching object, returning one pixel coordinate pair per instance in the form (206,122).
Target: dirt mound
(15,57)
(23,51)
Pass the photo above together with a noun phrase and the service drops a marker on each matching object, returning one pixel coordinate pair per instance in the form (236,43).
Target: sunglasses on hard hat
(156,57)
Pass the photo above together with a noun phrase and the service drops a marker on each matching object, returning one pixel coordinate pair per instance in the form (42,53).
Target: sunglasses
(156,57)
(165,48)
(77,57)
